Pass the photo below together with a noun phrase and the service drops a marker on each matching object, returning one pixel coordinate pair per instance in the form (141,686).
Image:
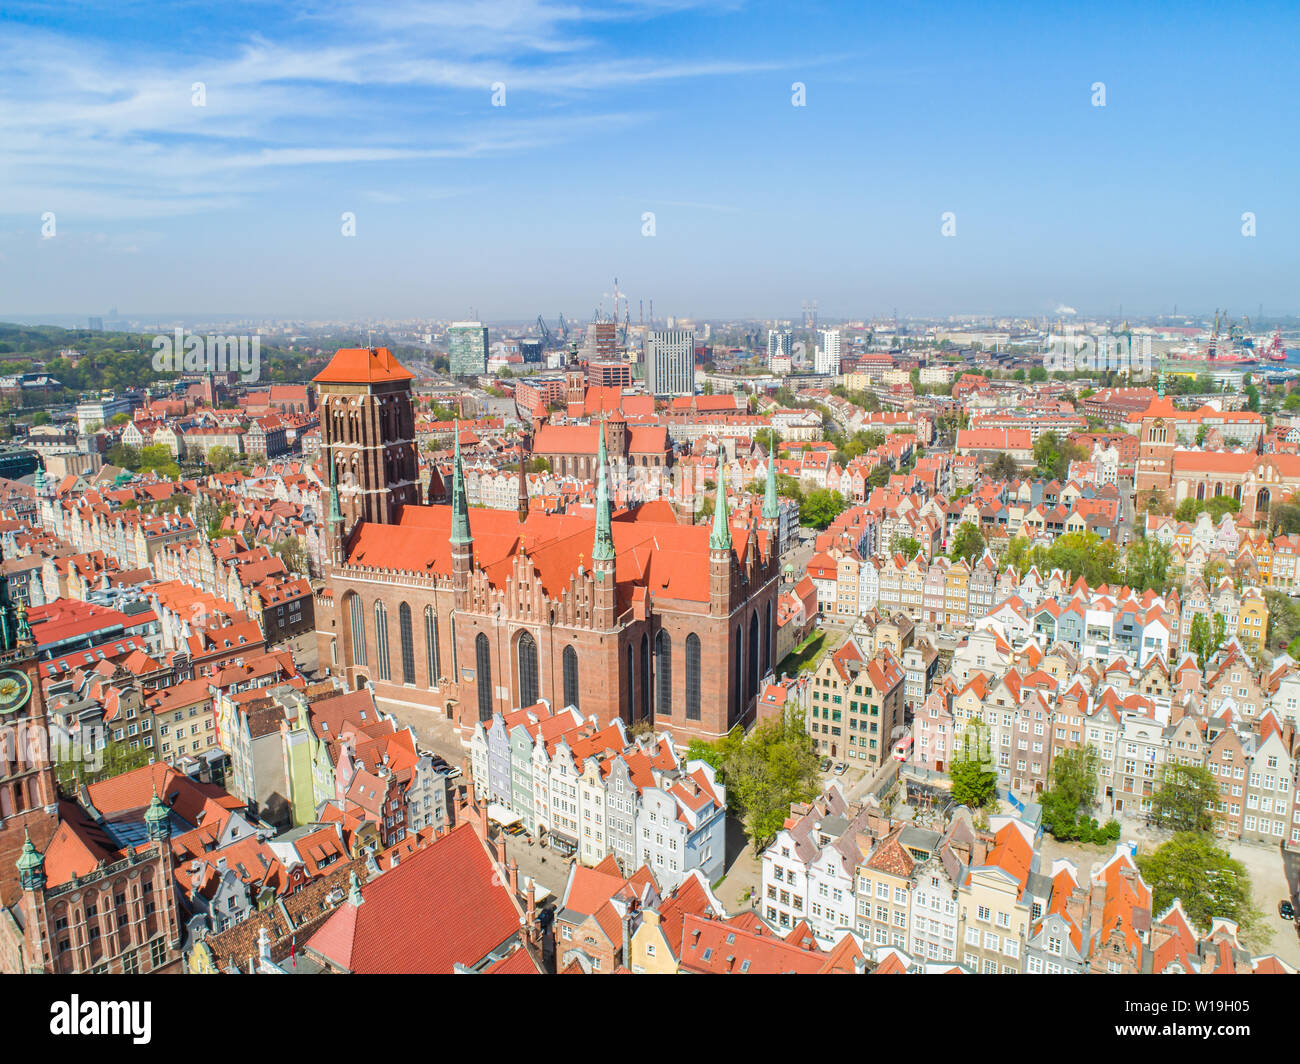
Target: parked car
(841,768)
(1285,910)
(902,748)
(826,764)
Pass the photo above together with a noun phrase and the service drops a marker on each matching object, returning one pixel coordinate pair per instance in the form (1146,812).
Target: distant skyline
(683,108)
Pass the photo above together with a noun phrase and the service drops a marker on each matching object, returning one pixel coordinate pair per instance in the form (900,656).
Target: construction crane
(564,328)
(546,333)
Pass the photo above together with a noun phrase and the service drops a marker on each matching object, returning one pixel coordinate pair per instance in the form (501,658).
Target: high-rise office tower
(670,362)
(779,345)
(828,352)
(467,348)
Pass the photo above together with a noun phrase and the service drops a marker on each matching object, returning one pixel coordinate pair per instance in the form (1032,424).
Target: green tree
(904,544)
(292,552)
(1004,467)
(1054,456)
(769,440)
(1217,506)
(820,508)
(1185,798)
(1146,565)
(40,418)
(967,542)
(974,780)
(221,458)
(764,772)
(1069,800)
(1206,879)
(1284,518)
(1206,637)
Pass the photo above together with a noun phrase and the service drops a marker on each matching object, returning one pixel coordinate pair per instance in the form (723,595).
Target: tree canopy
(764,772)
(821,507)
(1069,800)
(1206,879)
(1185,798)
(1190,509)
(967,543)
(974,778)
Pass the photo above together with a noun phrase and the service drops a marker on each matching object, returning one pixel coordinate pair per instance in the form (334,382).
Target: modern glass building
(467,348)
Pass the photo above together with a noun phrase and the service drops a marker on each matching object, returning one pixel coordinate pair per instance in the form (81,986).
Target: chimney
(979,851)
(483,831)
(501,849)
(1076,909)
(627,937)
(1097,904)
(513,869)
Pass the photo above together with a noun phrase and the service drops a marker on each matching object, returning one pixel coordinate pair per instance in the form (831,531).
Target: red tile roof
(444,906)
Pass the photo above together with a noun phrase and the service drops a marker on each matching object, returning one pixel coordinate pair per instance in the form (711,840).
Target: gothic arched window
(692,677)
(408,643)
(357,617)
(431,655)
(526,649)
(381,641)
(663,673)
(483,675)
(570,677)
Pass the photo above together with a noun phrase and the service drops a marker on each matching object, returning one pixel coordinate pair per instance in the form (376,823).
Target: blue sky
(677,107)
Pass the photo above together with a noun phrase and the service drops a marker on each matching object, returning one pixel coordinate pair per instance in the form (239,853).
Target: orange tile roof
(363,365)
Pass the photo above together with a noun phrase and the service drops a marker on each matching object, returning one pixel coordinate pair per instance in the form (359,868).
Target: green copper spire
(721,537)
(31,865)
(24,629)
(335,513)
(1160,388)
(460,533)
(771,508)
(603,549)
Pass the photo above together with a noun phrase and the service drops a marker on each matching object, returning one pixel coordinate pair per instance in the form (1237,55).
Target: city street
(1269,886)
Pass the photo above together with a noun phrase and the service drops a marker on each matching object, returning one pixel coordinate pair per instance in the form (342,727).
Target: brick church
(1249,475)
(438,605)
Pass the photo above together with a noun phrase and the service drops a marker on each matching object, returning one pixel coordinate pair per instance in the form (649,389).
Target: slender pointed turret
(459,504)
(603,548)
(771,507)
(523,485)
(721,537)
(335,513)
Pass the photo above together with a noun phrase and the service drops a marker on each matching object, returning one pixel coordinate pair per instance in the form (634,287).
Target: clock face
(15,690)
